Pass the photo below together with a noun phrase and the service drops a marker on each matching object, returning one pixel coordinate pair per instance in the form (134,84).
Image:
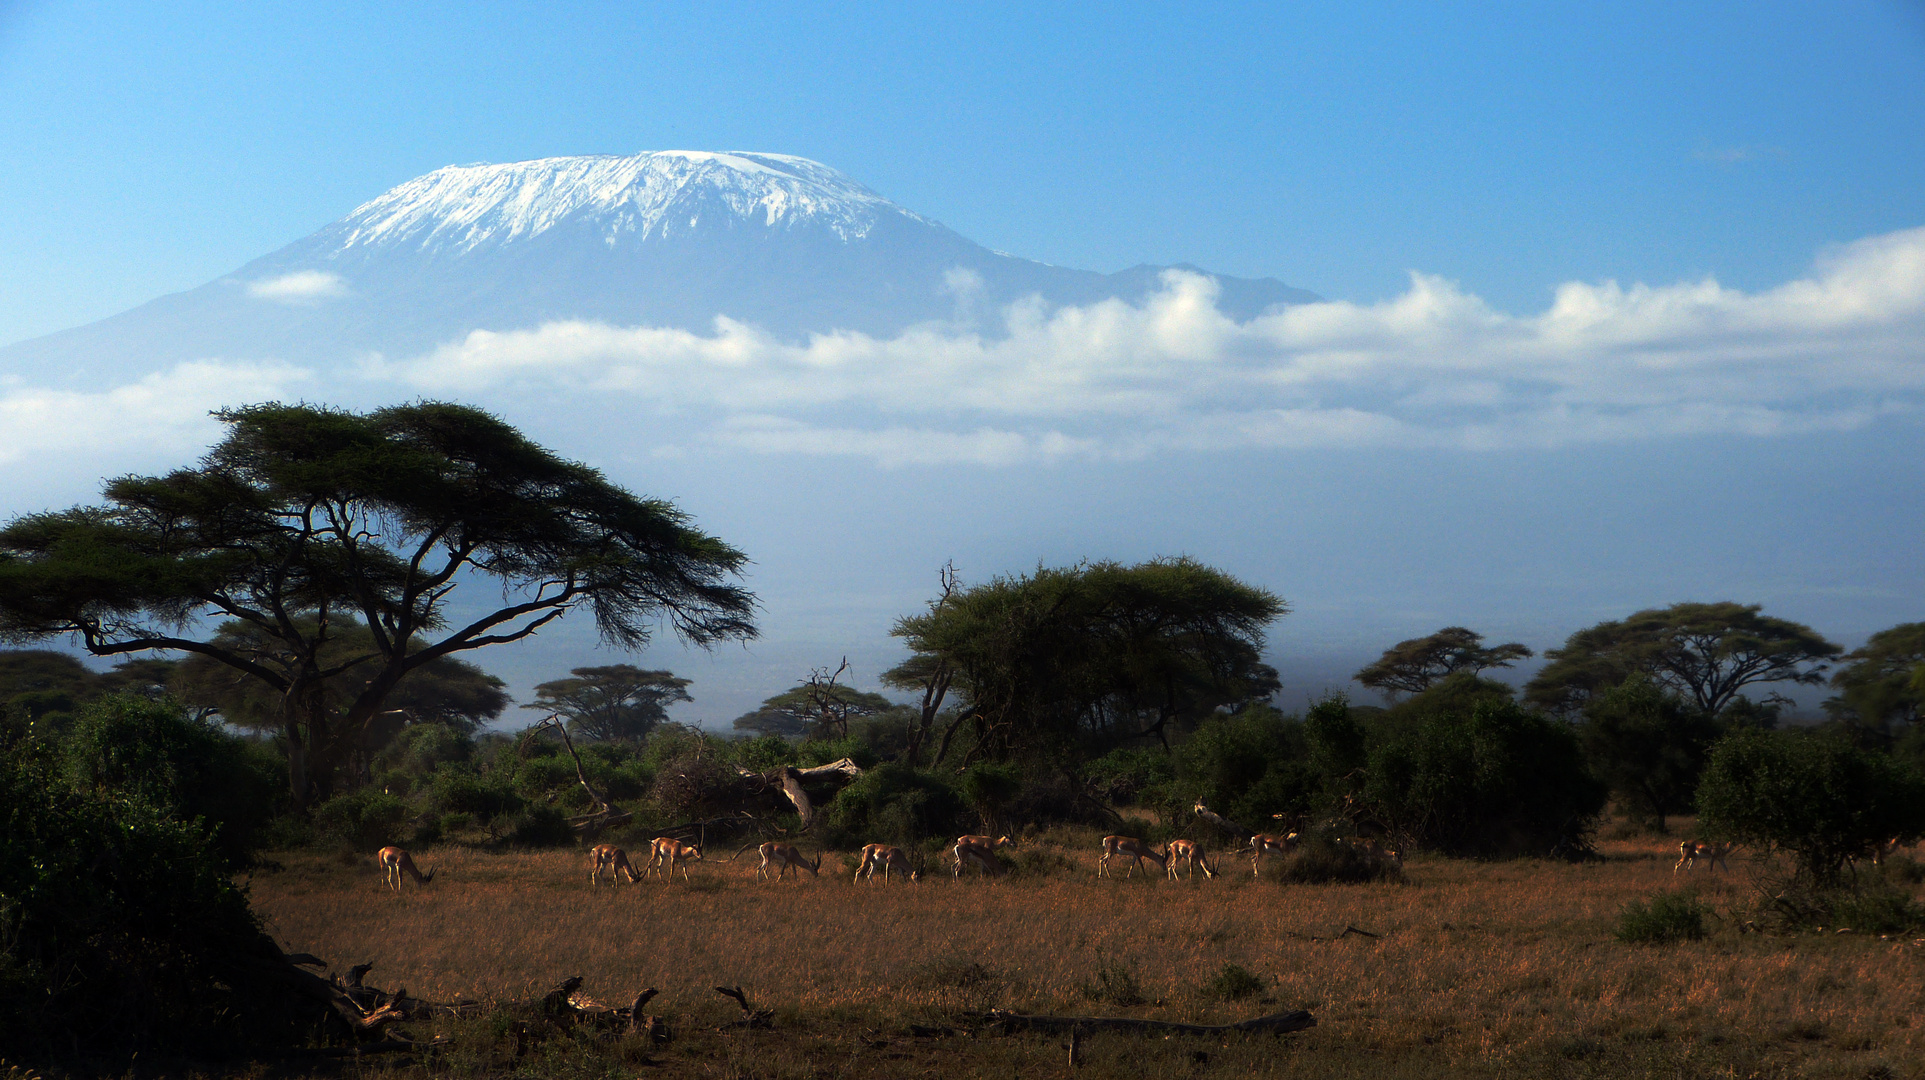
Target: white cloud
(300,287)
(1435,366)
(166,411)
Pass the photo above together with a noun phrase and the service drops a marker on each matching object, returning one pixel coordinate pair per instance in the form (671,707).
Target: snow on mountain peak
(666,192)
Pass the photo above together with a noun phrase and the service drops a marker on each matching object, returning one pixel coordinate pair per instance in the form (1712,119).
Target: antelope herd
(666,854)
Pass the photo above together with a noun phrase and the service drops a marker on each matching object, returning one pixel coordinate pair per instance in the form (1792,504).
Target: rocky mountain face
(672,238)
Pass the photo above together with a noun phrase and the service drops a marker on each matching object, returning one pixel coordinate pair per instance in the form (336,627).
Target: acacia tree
(1093,656)
(303,520)
(616,701)
(1706,652)
(814,706)
(1414,666)
(1883,683)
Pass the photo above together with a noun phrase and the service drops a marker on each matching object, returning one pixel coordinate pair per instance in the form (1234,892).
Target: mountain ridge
(664,238)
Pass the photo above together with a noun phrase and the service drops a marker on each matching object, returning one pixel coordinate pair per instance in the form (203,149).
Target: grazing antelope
(1881,852)
(608,857)
(982,858)
(784,857)
(1269,844)
(395,862)
(888,859)
(1187,851)
(986,843)
(1690,851)
(1128,847)
(671,853)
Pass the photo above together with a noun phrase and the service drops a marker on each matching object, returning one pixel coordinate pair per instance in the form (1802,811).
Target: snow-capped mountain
(670,238)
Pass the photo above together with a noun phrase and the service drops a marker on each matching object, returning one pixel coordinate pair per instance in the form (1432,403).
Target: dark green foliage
(1131,775)
(1065,664)
(1498,780)
(1705,652)
(1668,918)
(1249,765)
(899,805)
(40,686)
(1649,745)
(617,701)
(1414,666)
(1324,859)
(121,931)
(990,788)
(130,746)
(1813,795)
(541,826)
(304,521)
(365,820)
(1880,687)
(1234,982)
(484,797)
(1339,745)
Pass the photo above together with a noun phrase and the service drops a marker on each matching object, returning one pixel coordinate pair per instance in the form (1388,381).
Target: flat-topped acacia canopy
(302,515)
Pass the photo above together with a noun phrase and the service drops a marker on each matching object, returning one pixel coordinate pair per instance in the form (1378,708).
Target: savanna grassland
(1476,969)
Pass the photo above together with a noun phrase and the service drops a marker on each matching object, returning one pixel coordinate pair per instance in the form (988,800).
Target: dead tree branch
(1276,1024)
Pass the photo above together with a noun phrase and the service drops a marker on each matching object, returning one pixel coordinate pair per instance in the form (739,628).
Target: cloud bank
(1433,367)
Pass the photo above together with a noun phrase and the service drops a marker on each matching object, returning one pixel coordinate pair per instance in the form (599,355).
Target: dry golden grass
(1478,969)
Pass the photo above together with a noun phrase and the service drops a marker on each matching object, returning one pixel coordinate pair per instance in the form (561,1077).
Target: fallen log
(1276,1024)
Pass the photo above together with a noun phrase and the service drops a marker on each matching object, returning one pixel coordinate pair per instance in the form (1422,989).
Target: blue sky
(1500,152)
(1508,147)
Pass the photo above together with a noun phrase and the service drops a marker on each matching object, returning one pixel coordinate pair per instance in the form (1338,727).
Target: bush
(121,929)
(365,820)
(1669,917)
(1249,765)
(1115,985)
(137,747)
(542,826)
(1497,781)
(1816,796)
(899,805)
(1327,860)
(461,792)
(1233,982)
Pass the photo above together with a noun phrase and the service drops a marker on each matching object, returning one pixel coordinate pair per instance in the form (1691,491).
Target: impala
(1128,847)
(888,859)
(1269,844)
(395,862)
(1690,851)
(671,853)
(982,858)
(1188,851)
(784,857)
(608,857)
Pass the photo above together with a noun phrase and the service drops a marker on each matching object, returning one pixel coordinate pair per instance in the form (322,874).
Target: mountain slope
(672,238)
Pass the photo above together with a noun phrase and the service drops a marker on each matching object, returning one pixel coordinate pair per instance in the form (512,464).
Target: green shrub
(1669,917)
(1878,909)
(1327,860)
(542,826)
(366,820)
(1812,795)
(463,792)
(121,929)
(1233,982)
(1497,780)
(1115,985)
(898,805)
(138,747)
